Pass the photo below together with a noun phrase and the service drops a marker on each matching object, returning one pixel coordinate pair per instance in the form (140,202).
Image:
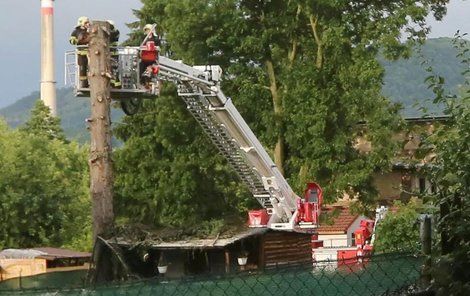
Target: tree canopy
(303,74)
(168,172)
(43,123)
(43,186)
(399,231)
(450,173)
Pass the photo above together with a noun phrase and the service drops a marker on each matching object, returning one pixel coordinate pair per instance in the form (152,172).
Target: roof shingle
(340,219)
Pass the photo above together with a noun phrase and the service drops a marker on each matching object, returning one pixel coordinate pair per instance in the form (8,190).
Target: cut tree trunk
(101,171)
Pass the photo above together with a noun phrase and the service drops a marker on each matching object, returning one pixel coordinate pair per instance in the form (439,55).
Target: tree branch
(318,41)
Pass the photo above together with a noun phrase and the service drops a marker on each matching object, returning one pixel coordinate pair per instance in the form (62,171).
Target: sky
(20,36)
(20,30)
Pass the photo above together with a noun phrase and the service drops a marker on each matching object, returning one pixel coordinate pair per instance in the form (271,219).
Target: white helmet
(148,27)
(82,21)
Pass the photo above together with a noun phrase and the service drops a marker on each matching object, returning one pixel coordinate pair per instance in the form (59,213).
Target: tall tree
(43,123)
(450,173)
(168,172)
(43,191)
(303,74)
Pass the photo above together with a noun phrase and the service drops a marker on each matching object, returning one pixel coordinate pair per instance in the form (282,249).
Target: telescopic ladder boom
(199,87)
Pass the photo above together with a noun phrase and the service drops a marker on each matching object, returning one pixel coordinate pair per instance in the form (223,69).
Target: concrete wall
(333,240)
(388,184)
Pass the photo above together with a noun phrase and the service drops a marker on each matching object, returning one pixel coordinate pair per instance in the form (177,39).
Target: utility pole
(101,170)
(48,94)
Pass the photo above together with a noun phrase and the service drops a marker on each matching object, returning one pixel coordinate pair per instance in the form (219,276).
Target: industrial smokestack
(48,94)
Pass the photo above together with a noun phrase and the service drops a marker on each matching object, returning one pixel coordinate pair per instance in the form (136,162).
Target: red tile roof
(338,220)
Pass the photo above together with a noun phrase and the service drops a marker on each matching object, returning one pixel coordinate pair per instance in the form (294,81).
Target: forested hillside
(72,111)
(404,78)
(403,82)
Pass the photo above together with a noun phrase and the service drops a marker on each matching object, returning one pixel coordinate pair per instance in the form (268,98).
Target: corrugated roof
(57,253)
(20,254)
(210,243)
(44,253)
(341,219)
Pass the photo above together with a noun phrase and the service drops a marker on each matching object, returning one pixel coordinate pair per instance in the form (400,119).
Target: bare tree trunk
(279,150)
(101,171)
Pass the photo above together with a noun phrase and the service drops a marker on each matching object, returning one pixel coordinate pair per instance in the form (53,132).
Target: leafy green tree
(43,189)
(450,173)
(302,73)
(168,172)
(43,123)
(399,231)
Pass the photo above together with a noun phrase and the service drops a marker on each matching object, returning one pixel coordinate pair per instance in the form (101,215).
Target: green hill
(72,111)
(403,82)
(404,78)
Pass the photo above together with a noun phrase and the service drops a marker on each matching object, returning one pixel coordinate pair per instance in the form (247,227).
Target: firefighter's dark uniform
(113,40)
(80,37)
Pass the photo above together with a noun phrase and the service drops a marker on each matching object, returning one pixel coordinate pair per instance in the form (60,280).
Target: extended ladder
(199,87)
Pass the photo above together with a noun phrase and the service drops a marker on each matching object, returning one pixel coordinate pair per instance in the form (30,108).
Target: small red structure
(346,257)
(364,232)
(258,218)
(309,207)
(315,242)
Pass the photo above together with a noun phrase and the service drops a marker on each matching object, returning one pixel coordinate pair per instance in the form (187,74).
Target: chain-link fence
(385,274)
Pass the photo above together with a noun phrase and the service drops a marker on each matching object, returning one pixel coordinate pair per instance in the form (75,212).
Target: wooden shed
(26,262)
(261,247)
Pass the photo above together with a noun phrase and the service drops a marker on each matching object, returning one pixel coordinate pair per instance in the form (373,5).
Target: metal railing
(126,66)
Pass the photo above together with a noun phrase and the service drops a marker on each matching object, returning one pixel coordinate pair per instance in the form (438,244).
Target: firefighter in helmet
(149,31)
(113,43)
(80,37)
(147,65)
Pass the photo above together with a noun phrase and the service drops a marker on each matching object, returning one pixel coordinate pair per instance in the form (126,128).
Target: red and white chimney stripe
(47,7)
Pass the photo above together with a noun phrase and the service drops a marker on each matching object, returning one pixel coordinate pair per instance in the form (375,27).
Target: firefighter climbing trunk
(101,174)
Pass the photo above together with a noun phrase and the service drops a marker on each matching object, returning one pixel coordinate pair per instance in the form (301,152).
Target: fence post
(426,243)
(227,261)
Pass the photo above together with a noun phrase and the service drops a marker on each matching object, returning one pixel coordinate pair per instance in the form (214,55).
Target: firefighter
(147,66)
(113,42)
(80,37)
(149,31)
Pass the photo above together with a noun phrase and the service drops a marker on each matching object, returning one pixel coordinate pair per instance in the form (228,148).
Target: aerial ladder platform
(199,87)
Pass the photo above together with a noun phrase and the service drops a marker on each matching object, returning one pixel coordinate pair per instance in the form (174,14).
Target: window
(422,185)
(313,196)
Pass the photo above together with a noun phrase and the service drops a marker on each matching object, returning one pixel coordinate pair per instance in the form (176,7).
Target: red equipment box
(258,218)
(148,52)
(347,257)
